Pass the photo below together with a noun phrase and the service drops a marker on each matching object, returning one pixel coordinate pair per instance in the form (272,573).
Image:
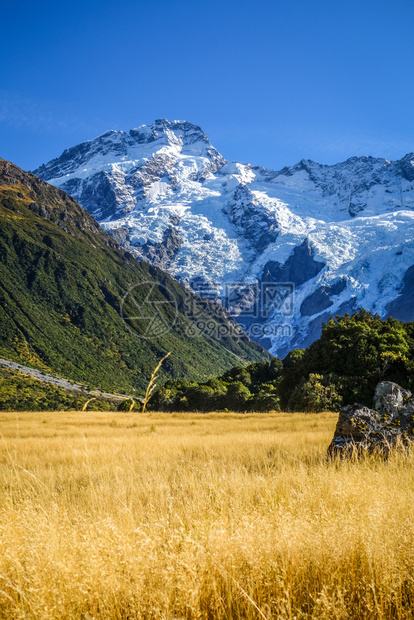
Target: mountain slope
(340,235)
(64,284)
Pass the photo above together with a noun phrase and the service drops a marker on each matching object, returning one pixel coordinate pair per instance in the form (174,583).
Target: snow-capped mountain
(284,250)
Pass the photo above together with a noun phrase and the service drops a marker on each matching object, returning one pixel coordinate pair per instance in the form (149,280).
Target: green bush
(237,396)
(266,399)
(315,394)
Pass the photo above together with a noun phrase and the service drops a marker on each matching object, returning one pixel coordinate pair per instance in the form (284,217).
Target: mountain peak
(178,138)
(180,134)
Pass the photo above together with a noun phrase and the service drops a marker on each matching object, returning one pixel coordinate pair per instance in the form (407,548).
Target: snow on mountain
(283,250)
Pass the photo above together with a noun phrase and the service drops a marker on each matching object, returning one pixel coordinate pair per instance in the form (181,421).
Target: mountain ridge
(212,223)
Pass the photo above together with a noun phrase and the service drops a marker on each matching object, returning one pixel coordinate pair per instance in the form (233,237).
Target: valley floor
(112,515)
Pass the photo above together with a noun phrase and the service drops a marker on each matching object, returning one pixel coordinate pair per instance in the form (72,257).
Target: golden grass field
(110,515)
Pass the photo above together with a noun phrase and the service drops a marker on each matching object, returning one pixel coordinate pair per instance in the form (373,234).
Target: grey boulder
(388,425)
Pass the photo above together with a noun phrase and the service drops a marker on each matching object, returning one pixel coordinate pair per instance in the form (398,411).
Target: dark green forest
(352,355)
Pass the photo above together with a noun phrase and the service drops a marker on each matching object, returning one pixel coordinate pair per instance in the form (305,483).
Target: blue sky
(269,81)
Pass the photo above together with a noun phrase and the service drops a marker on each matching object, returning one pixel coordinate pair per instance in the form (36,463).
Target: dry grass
(198,516)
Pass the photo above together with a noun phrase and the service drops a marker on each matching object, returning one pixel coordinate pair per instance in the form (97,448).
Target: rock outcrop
(388,425)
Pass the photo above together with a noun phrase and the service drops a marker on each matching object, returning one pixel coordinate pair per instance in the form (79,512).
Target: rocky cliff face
(340,236)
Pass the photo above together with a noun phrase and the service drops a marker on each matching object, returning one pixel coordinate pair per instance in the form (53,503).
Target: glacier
(328,238)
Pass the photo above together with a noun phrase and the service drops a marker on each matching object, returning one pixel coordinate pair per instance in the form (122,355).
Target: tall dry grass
(191,516)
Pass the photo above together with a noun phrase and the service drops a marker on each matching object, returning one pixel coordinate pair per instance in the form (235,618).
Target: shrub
(266,399)
(314,395)
(237,396)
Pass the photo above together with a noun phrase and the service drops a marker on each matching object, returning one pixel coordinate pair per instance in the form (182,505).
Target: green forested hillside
(21,392)
(62,284)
